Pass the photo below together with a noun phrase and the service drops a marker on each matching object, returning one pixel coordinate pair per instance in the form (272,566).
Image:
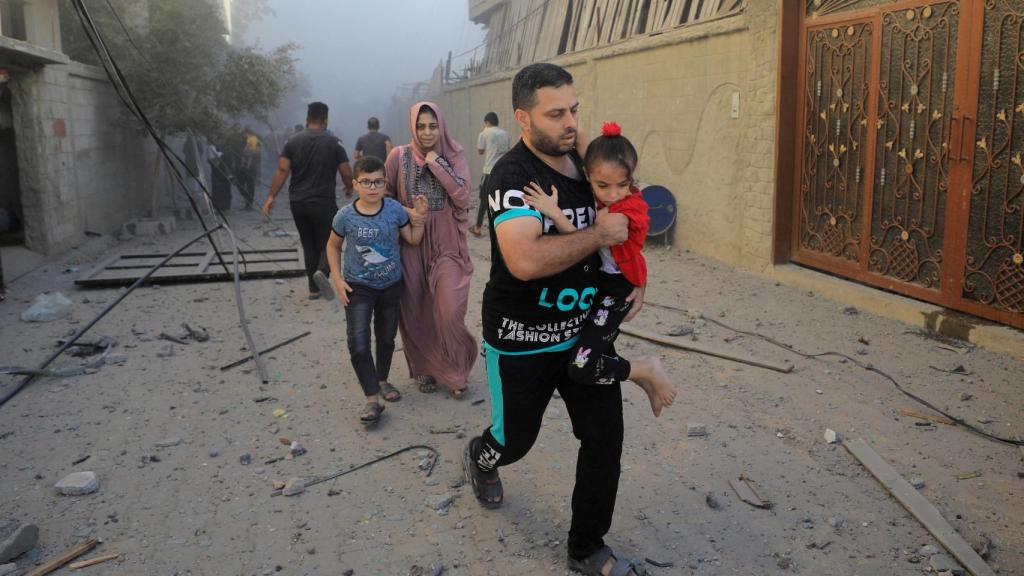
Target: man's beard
(551,146)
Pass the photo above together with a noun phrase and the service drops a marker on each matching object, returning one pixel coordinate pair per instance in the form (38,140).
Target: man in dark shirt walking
(373,143)
(313,157)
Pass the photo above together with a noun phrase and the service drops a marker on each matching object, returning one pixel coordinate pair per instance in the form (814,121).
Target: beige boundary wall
(673,94)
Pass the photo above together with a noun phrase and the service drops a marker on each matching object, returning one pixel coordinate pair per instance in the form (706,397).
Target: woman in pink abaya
(436,273)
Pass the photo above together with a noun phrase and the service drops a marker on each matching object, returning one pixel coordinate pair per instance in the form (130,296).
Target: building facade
(876,140)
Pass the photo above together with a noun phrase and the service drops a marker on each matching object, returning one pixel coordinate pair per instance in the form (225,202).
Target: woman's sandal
(371,413)
(426,384)
(486,485)
(389,392)
(594,564)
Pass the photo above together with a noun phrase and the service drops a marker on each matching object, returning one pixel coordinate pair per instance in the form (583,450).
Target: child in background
(369,283)
(610,163)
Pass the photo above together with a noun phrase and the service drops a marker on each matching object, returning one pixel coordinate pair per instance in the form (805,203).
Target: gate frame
(792,36)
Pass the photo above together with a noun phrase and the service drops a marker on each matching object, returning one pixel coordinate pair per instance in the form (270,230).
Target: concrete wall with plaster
(673,94)
(82,167)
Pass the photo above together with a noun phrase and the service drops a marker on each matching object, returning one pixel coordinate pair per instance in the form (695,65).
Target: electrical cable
(315,481)
(864,365)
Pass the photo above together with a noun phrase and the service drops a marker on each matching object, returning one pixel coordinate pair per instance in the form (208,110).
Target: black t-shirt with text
(315,156)
(545,314)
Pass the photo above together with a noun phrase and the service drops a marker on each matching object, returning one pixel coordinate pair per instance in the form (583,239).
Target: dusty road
(194,508)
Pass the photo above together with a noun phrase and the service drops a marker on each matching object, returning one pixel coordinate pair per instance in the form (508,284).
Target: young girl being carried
(610,163)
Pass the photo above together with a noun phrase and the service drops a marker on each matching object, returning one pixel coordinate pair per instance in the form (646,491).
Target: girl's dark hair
(615,149)
(426,109)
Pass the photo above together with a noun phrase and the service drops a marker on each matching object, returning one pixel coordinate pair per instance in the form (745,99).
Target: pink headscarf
(446,146)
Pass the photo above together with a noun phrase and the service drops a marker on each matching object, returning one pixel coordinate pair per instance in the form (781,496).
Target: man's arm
(284,165)
(387,148)
(530,254)
(346,177)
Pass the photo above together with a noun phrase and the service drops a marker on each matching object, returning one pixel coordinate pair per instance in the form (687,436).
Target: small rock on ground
(78,483)
(696,430)
(293,487)
(168,442)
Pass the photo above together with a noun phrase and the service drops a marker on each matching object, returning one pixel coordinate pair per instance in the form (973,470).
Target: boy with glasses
(368,280)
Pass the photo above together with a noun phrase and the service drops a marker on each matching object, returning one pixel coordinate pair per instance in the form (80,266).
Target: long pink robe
(436,273)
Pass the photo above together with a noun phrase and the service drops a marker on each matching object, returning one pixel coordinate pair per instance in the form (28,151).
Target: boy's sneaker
(486,485)
(322,282)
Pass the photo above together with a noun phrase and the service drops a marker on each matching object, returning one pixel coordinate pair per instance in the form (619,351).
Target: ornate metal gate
(910,145)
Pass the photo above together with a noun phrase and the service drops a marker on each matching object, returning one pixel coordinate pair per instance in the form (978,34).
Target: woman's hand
(419,204)
(546,205)
(431,156)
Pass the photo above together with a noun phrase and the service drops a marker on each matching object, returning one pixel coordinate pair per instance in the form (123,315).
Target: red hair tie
(611,129)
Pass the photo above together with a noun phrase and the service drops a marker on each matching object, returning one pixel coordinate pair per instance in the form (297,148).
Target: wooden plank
(919,507)
(64,558)
(100,267)
(205,262)
(704,349)
(93,561)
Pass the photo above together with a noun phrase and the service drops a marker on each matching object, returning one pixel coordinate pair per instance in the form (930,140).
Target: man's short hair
(373,123)
(317,112)
(533,78)
(491,118)
(367,165)
(298,127)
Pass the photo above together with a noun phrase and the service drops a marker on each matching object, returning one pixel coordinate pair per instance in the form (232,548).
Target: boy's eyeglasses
(371,184)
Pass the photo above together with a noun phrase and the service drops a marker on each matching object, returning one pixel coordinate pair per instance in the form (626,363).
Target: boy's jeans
(381,305)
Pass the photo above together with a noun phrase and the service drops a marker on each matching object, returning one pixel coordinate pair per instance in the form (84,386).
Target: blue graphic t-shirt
(371,254)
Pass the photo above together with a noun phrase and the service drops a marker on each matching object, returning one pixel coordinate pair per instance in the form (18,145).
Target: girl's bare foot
(648,374)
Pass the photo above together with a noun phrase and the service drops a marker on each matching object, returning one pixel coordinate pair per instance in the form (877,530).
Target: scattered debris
(16,539)
(320,479)
(245,459)
(958,369)
(199,334)
(297,449)
(969,475)
(64,558)
(659,564)
(681,330)
(80,460)
(293,487)
(78,483)
(917,483)
(711,501)
(830,436)
(837,522)
(441,502)
(172,338)
(918,506)
(696,430)
(280,413)
(478,401)
(449,430)
(851,311)
(47,307)
(965,396)
(745,489)
(941,563)
(985,548)
(919,416)
(260,399)
(168,442)
(165,352)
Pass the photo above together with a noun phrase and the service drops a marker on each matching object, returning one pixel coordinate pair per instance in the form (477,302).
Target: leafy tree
(181,67)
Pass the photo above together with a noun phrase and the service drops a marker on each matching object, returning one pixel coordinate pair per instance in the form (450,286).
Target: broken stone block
(293,487)
(16,539)
(942,563)
(917,483)
(78,483)
(440,502)
(830,436)
(696,430)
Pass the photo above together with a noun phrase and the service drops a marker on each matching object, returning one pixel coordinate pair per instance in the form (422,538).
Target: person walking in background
(492,143)
(249,167)
(438,347)
(373,143)
(314,158)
